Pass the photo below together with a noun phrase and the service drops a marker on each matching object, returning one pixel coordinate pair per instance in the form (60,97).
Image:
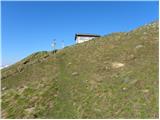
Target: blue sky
(29,27)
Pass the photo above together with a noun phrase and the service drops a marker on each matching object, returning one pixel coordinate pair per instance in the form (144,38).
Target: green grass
(80,81)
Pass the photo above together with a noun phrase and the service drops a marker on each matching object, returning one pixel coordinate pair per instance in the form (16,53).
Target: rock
(144,33)
(4,88)
(69,63)
(124,89)
(55,95)
(145,90)
(75,73)
(117,65)
(139,46)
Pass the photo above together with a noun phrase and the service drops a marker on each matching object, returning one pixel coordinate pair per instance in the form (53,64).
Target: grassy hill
(114,76)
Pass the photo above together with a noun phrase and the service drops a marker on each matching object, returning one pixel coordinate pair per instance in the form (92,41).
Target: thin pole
(62,43)
(54,44)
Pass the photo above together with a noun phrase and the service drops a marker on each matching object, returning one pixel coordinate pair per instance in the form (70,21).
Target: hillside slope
(115,76)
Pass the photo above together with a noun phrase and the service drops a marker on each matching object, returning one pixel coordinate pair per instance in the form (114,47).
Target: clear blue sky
(29,27)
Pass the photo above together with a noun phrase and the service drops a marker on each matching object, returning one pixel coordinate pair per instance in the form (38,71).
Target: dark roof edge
(78,34)
(94,35)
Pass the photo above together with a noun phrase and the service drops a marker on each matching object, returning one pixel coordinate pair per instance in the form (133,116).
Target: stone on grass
(124,89)
(55,95)
(144,33)
(69,63)
(75,73)
(117,65)
(4,88)
(145,90)
(139,46)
